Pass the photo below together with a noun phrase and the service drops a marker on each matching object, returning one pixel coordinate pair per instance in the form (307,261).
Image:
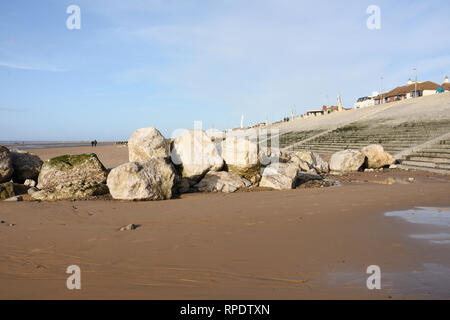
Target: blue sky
(167,63)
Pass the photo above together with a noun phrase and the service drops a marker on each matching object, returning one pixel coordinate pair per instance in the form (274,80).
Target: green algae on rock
(66,169)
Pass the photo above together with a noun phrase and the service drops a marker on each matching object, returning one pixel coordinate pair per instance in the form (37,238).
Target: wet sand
(298,244)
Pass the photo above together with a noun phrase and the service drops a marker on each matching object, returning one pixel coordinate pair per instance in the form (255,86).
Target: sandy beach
(297,244)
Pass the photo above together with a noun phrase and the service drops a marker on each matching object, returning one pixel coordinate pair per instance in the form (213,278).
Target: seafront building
(411,90)
(446,84)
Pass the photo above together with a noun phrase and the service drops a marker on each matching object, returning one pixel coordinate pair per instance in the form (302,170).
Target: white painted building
(365,102)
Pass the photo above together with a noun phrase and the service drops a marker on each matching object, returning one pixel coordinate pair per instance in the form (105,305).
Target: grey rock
(196,154)
(147,143)
(129,227)
(26,165)
(280,176)
(72,169)
(152,179)
(223,181)
(347,161)
(6,165)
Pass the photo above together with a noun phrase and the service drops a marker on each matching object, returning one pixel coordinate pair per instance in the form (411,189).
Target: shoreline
(31,145)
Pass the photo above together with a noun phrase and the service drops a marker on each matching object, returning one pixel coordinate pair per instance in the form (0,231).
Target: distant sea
(46,144)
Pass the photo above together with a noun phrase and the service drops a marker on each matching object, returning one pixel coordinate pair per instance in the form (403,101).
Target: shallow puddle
(429,280)
(432,216)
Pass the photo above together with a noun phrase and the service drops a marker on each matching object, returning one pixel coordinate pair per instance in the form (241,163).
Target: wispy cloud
(17,110)
(30,67)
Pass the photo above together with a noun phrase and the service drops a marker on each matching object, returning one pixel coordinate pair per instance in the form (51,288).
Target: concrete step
(445,155)
(425,164)
(428,159)
(438,147)
(410,167)
(350,145)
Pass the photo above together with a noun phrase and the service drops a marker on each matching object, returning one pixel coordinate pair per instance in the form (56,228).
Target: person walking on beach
(92,144)
(95,143)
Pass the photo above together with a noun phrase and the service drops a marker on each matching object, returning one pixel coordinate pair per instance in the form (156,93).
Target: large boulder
(347,161)
(241,156)
(76,190)
(63,170)
(314,161)
(6,166)
(377,157)
(196,154)
(152,179)
(26,165)
(223,181)
(147,143)
(280,176)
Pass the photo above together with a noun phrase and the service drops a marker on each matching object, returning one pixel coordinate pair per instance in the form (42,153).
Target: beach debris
(14,199)
(30,183)
(76,169)
(226,182)
(6,166)
(369,170)
(129,227)
(147,143)
(26,165)
(152,179)
(195,154)
(393,166)
(376,156)
(72,191)
(241,156)
(347,161)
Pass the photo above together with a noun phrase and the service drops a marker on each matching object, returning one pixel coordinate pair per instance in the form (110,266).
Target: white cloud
(30,67)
